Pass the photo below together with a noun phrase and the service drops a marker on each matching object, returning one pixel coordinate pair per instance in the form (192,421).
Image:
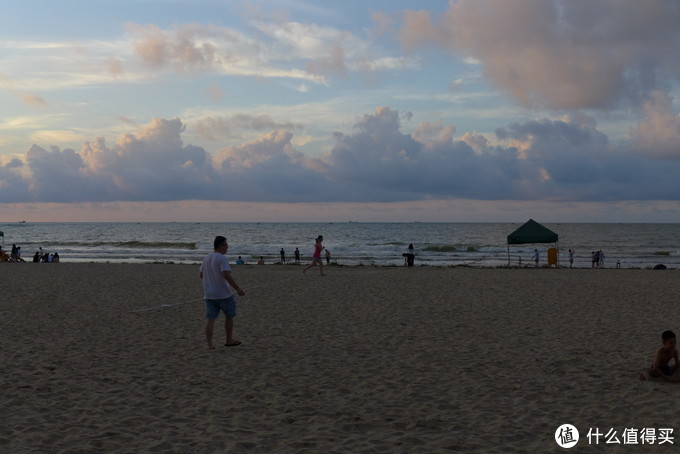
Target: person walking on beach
(283,256)
(218,292)
(297,255)
(316,257)
(536,257)
(571,258)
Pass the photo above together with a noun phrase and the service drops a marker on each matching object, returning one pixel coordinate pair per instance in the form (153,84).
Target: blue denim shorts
(226,305)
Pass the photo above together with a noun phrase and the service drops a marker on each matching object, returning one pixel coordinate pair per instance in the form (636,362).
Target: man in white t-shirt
(218,292)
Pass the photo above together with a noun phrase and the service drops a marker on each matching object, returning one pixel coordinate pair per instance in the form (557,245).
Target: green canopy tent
(532,232)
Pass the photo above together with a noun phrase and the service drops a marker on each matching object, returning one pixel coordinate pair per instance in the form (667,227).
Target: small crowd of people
(40,256)
(597,259)
(44,257)
(409,256)
(282,254)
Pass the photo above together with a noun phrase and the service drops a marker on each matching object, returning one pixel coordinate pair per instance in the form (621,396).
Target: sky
(374,110)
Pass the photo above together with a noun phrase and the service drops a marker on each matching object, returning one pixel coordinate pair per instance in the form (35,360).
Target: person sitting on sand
(660,366)
(261,261)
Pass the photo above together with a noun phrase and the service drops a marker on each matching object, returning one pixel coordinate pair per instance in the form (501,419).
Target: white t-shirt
(215,286)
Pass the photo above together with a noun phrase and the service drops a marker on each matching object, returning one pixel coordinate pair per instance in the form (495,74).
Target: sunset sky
(375,110)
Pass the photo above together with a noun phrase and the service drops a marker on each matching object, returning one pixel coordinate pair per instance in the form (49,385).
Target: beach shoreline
(365,359)
(436,244)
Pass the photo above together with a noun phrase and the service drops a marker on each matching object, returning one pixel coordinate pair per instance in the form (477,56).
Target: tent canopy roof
(532,232)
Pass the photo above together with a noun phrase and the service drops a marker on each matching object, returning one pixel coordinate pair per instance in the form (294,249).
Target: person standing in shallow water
(316,257)
(410,255)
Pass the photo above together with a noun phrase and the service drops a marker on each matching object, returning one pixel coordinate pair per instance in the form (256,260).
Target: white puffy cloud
(266,148)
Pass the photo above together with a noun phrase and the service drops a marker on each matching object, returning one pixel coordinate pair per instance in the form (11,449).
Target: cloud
(382,160)
(185,49)
(566,159)
(14,186)
(214,93)
(40,66)
(457,84)
(333,63)
(261,150)
(56,136)
(127,121)
(155,165)
(382,22)
(277,49)
(196,48)
(218,127)
(560,54)
(26,98)
(115,67)
(33,100)
(659,133)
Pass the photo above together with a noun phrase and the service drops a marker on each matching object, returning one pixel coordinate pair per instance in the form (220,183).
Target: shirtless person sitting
(660,366)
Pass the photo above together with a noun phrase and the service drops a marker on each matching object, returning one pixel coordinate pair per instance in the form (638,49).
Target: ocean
(352,243)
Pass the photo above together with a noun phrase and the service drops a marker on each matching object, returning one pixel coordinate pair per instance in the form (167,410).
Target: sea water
(351,243)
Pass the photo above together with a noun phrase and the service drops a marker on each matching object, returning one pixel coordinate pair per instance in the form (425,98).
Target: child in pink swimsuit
(316,257)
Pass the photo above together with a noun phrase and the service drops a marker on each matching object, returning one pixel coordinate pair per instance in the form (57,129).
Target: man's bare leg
(229,330)
(209,326)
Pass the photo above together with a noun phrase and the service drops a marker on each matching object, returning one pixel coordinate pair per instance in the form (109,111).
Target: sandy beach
(112,358)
